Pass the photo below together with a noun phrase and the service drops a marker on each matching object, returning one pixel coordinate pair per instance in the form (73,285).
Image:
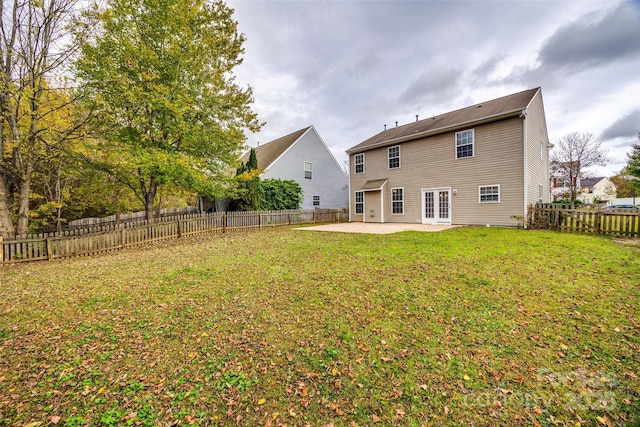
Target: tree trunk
(116,200)
(149,197)
(22,227)
(6,224)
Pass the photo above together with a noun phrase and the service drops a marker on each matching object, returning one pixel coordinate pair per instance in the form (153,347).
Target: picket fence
(568,218)
(96,240)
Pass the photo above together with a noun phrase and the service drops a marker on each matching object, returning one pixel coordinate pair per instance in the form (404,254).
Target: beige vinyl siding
(430,163)
(537,169)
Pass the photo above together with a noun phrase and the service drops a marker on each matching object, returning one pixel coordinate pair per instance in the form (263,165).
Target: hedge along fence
(113,238)
(568,218)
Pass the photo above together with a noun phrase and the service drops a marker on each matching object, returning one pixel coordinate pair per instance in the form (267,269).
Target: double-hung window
(397,201)
(394,157)
(489,193)
(359,162)
(540,193)
(464,144)
(308,170)
(359,202)
(316,200)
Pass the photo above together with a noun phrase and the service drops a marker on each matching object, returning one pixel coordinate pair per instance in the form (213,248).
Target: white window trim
(488,201)
(310,169)
(355,203)
(473,144)
(389,156)
(402,201)
(355,169)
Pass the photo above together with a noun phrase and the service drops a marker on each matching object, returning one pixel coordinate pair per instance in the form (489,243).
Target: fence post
(224,222)
(47,244)
(123,237)
(259,220)
(1,250)
(179,229)
(289,218)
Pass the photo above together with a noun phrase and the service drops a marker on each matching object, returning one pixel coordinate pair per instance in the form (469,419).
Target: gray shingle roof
(590,182)
(269,152)
(485,111)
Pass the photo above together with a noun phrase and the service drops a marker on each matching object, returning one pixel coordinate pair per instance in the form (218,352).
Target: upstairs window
(359,162)
(394,157)
(464,144)
(308,170)
(489,194)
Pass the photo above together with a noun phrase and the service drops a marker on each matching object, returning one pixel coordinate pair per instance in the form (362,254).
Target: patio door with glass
(436,206)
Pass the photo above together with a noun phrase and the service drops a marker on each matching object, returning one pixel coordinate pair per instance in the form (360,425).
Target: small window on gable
(540,193)
(359,162)
(308,170)
(359,202)
(397,201)
(316,200)
(464,144)
(489,194)
(394,157)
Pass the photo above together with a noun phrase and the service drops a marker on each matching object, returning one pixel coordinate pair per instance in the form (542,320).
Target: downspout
(382,203)
(349,190)
(526,160)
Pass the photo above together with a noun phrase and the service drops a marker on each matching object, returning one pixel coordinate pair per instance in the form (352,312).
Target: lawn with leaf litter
(471,326)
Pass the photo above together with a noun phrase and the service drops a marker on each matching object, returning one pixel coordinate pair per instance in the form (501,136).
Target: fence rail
(167,213)
(96,240)
(622,223)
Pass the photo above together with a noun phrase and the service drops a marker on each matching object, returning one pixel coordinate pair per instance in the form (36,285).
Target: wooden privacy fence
(623,222)
(167,213)
(104,239)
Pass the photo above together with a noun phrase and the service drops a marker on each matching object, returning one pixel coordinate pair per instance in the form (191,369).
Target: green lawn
(469,326)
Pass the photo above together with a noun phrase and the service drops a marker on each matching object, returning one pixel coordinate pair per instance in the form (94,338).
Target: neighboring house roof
(271,151)
(590,182)
(488,111)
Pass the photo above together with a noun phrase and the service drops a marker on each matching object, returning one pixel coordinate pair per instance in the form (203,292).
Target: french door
(436,206)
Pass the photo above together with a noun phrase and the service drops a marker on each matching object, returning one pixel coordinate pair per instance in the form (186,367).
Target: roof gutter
(482,120)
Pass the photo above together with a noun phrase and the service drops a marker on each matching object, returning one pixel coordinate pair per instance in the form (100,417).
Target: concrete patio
(375,228)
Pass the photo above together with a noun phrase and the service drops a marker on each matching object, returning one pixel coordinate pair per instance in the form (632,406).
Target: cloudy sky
(350,67)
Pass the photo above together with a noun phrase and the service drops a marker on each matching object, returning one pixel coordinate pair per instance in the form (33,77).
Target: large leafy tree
(159,77)
(34,48)
(633,165)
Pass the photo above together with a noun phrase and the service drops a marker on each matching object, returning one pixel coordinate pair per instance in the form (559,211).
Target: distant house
(483,164)
(559,182)
(597,190)
(304,157)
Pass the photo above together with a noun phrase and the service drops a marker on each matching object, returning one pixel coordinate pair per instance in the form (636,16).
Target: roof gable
(271,151)
(590,182)
(484,111)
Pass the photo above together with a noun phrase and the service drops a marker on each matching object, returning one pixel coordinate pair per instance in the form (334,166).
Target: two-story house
(483,164)
(597,190)
(303,156)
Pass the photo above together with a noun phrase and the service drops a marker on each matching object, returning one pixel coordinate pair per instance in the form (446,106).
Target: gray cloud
(627,127)
(431,86)
(594,40)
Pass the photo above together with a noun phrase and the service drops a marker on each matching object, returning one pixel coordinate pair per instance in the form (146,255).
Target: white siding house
(303,156)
